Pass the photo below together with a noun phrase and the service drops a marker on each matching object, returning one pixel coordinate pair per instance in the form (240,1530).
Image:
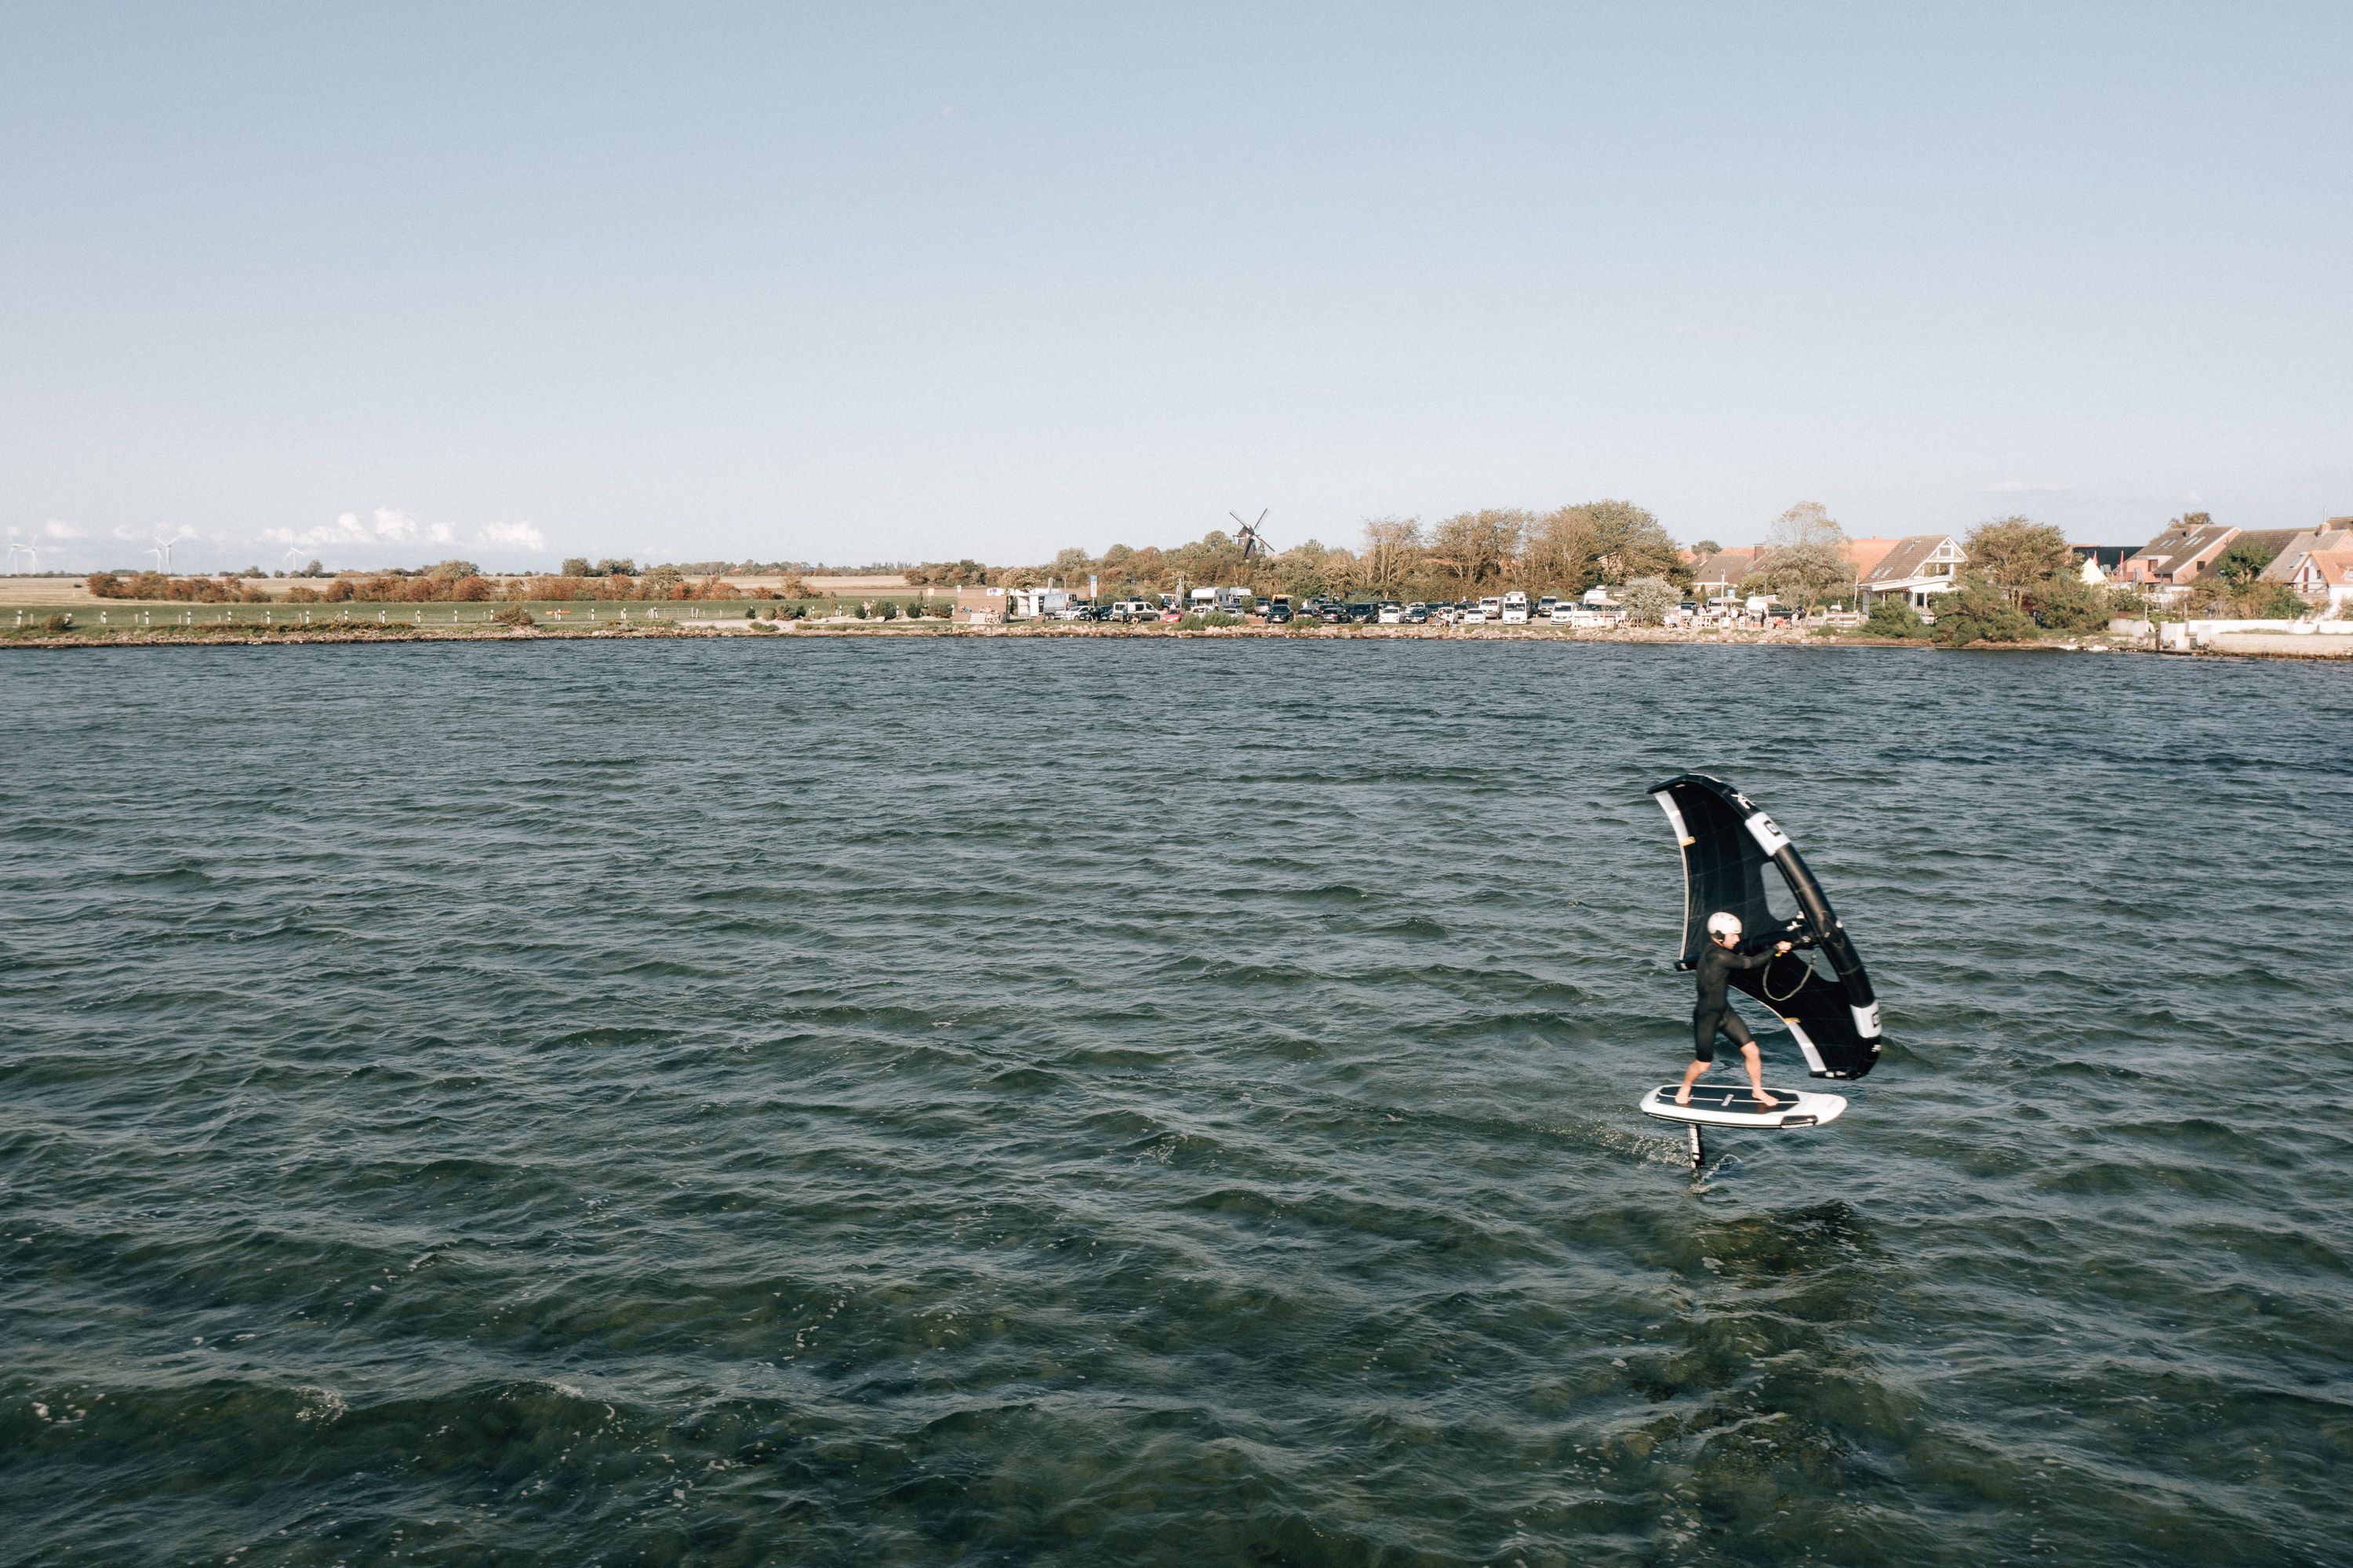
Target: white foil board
(1734,1105)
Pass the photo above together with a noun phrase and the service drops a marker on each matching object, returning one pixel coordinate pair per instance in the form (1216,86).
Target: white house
(2336,533)
(2324,578)
(1917,567)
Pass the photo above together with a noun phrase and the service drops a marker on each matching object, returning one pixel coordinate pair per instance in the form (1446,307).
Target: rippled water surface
(991,1102)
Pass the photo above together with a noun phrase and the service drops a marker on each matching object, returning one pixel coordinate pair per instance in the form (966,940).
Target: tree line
(1469,554)
(664,584)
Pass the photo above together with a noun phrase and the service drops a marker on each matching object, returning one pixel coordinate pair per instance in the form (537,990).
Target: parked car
(1415,614)
(1278,614)
(1391,615)
(1561,614)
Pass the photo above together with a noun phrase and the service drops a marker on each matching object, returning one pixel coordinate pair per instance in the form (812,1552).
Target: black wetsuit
(1713,1012)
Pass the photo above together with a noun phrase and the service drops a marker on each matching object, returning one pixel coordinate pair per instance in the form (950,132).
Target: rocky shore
(231,635)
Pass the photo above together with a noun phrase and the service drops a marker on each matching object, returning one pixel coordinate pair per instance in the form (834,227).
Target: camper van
(1037,603)
(1515,609)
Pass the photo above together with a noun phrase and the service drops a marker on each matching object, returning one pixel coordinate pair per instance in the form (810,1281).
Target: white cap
(1723,923)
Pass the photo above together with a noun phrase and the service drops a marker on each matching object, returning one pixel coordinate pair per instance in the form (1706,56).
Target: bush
(1202,622)
(1978,611)
(1894,618)
(2069,604)
(512,615)
(889,609)
(2245,599)
(1647,600)
(58,623)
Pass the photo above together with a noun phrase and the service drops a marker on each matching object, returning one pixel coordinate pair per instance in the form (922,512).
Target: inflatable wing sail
(1728,842)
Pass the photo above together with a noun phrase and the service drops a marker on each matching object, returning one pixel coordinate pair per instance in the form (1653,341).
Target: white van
(1515,609)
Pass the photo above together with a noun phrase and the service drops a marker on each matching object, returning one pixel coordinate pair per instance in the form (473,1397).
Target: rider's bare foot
(1683,1095)
(1765,1098)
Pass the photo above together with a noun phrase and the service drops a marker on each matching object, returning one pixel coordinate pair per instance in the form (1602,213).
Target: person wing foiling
(1712,1011)
(1730,850)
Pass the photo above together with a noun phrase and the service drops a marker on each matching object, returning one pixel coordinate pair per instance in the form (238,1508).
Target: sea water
(1078,1102)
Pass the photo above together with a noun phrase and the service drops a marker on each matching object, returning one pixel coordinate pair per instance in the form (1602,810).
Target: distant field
(93,614)
(69,592)
(42,590)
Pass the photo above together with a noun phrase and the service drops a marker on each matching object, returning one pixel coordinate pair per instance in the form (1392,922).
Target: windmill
(1252,542)
(161,550)
(32,558)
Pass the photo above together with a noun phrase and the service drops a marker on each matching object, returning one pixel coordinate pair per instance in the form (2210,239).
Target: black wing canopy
(1728,842)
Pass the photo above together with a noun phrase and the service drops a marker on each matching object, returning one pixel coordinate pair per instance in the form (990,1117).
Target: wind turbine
(32,558)
(1253,543)
(163,550)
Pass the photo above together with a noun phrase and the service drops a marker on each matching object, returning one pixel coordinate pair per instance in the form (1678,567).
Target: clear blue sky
(873,281)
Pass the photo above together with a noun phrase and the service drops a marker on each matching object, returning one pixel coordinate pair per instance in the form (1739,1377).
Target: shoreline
(230,635)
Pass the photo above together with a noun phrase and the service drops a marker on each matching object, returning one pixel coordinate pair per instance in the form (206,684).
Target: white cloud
(54,529)
(388,529)
(384,525)
(513,536)
(2026,487)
